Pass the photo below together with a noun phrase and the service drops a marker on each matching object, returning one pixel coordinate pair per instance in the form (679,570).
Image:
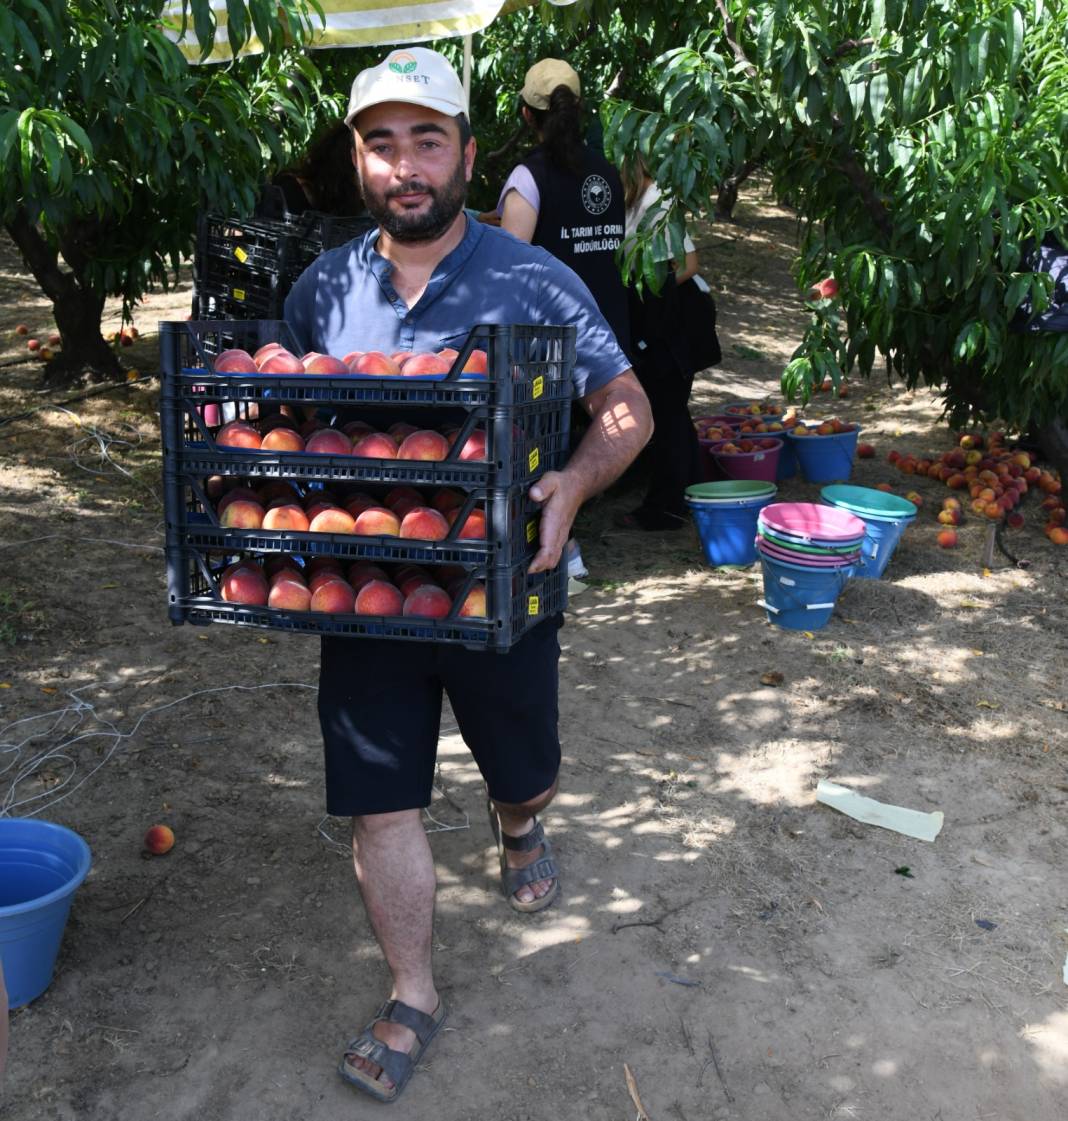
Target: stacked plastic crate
(244,267)
(504,429)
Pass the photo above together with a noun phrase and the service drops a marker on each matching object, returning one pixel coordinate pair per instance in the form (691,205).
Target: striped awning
(356,23)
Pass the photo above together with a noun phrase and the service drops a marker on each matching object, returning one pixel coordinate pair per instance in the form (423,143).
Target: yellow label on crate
(533,605)
(532,531)
(537,387)
(533,460)
(239,294)
(240,254)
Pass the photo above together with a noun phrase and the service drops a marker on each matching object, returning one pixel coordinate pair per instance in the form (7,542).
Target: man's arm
(622,425)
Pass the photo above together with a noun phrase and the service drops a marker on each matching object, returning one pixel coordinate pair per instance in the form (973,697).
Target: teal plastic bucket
(800,598)
(825,459)
(41,867)
(727,527)
(885,516)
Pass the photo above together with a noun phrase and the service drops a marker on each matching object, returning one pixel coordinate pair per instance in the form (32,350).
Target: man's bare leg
(516,820)
(395,871)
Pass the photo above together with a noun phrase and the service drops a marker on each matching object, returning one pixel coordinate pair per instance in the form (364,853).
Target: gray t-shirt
(345,302)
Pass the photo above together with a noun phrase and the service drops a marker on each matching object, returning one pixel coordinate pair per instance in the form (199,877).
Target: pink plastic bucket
(761,464)
(810,521)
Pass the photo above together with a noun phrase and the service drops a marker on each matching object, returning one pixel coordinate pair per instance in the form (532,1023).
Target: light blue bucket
(41,867)
(880,541)
(885,516)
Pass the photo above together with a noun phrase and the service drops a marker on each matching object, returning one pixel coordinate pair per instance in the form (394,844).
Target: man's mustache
(413,187)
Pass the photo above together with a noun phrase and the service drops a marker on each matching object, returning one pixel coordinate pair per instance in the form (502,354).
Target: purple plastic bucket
(761,464)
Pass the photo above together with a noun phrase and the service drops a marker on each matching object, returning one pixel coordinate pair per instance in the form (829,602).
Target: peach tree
(921,144)
(110,142)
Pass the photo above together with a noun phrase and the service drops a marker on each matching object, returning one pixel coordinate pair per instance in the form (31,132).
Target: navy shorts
(380,711)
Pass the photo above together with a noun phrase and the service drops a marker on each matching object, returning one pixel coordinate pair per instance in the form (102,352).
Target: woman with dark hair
(324,181)
(568,198)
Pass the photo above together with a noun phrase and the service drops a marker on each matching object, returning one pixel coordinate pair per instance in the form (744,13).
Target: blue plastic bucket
(879,544)
(728,529)
(885,516)
(41,867)
(798,598)
(786,468)
(825,459)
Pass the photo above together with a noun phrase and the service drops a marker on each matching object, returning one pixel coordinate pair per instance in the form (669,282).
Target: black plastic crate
(521,443)
(512,524)
(528,364)
(243,268)
(516,602)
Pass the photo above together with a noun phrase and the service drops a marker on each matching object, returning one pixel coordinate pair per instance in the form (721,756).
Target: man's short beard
(445,203)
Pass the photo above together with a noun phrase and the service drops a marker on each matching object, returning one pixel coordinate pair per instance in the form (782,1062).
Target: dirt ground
(747,953)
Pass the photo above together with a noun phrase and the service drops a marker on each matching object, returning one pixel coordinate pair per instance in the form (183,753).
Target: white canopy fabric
(357,23)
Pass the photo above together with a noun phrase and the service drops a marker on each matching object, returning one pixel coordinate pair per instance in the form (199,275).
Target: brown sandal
(512,879)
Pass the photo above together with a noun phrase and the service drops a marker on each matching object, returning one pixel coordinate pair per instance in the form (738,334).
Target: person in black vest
(568,198)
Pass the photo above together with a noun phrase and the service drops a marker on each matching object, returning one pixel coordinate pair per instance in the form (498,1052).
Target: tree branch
(854,171)
(848,45)
(732,42)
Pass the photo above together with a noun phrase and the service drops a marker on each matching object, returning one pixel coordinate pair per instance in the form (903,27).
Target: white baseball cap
(414,75)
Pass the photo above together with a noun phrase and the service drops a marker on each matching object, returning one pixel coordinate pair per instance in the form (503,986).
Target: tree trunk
(728,191)
(1053,439)
(76,307)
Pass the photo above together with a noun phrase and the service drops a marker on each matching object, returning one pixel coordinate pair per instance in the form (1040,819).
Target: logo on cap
(402,63)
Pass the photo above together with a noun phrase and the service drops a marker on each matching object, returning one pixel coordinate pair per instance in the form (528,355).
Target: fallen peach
(159,839)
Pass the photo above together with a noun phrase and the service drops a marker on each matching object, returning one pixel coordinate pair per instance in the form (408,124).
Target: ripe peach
(893,456)
(159,839)
(266,351)
(914,498)
(378,597)
(377,521)
(428,601)
(424,445)
(242,513)
(333,520)
(865,451)
(951,503)
(375,364)
(314,509)
(283,439)
(474,448)
(334,597)
(321,577)
(948,538)
(235,361)
(993,511)
(403,492)
(884,487)
(326,365)
(450,354)
(956,482)
(238,434)
(401,356)
(244,582)
(329,441)
(356,429)
(404,506)
(446,500)
(424,524)
(950,517)
(1056,516)
(363,572)
(400,430)
(288,515)
(1057,534)
(22,329)
(421,364)
(474,602)
(1015,520)
(474,525)
(411,581)
(234,493)
(477,362)
(376,446)
(311,425)
(357,503)
(289,594)
(351,359)
(281,362)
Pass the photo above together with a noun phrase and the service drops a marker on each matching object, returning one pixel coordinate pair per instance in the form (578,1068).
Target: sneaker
(575,568)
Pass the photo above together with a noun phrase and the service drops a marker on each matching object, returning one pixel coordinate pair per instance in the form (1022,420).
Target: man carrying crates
(420,282)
